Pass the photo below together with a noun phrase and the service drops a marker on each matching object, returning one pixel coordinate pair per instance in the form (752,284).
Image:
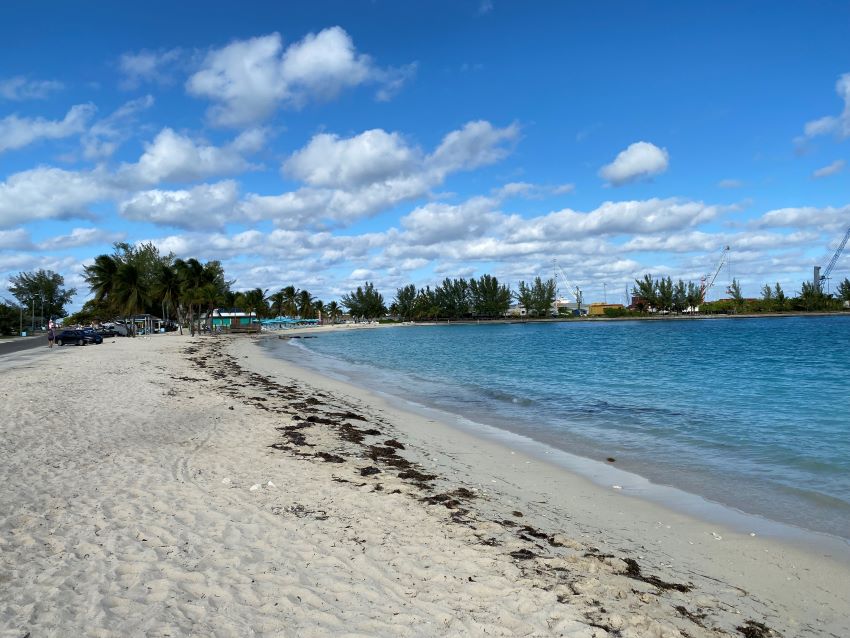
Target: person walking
(51,336)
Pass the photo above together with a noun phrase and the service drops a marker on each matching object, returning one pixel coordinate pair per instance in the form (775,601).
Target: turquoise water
(753,414)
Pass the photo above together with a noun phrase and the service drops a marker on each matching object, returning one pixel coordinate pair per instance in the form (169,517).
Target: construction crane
(573,290)
(818,278)
(707,280)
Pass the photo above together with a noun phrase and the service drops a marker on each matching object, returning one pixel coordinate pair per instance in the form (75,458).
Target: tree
(277,301)
(290,301)
(694,296)
(425,306)
(10,317)
(305,305)
(779,297)
(488,297)
(646,292)
(130,290)
(680,296)
(255,301)
(365,302)
(664,289)
(453,298)
(737,296)
(538,298)
(333,311)
(166,288)
(844,290)
(405,298)
(42,289)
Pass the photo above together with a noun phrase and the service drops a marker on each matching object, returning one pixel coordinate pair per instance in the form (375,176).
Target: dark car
(77,337)
(106,332)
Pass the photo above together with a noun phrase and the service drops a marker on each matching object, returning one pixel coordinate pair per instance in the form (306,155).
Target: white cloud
(730,183)
(828,218)
(438,222)
(372,156)
(45,193)
(20,88)
(639,161)
(833,124)
(836,167)
(348,179)
(204,206)
(105,136)
(17,132)
(476,144)
(18,239)
(80,237)
(249,79)
(172,157)
(617,218)
(148,66)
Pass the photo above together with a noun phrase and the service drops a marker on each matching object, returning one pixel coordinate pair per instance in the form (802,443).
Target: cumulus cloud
(476,144)
(18,239)
(204,206)
(372,156)
(45,193)
(833,124)
(80,237)
(17,132)
(20,88)
(436,222)
(148,67)
(172,157)
(829,218)
(106,135)
(351,178)
(249,79)
(639,161)
(836,167)
(618,218)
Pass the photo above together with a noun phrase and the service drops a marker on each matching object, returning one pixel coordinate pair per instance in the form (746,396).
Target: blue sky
(406,142)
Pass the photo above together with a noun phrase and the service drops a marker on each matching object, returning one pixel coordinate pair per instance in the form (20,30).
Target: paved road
(22,343)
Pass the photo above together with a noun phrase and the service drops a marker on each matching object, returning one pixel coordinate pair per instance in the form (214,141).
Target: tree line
(663,295)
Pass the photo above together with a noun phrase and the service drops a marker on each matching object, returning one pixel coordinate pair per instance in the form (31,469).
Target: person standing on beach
(50,337)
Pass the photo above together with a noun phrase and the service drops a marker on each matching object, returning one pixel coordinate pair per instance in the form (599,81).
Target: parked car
(92,335)
(106,332)
(77,337)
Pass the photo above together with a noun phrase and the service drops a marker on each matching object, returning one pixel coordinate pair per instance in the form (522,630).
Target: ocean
(753,414)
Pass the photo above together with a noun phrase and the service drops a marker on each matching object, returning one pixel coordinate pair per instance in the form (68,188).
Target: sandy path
(115,520)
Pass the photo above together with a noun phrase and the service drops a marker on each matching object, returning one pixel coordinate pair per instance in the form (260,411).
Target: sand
(178,486)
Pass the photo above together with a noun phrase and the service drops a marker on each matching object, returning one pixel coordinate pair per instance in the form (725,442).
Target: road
(17,344)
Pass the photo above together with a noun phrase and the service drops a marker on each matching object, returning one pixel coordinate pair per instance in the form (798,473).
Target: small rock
(226,481)
(270,484)
(255,487)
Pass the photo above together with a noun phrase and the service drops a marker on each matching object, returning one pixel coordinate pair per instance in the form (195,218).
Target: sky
(325,144)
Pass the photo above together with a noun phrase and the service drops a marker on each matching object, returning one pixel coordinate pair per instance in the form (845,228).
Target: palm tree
(130,291)
(333,311)
(305,304)
(290,303)
(318,309)
(277,300)
(166,288)
(255,300)
(100,277)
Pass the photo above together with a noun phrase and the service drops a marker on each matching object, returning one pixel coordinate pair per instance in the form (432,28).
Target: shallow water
(753,414)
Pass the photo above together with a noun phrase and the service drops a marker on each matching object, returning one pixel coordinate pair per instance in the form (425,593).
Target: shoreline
(697,543)
(201,486)
(602,475)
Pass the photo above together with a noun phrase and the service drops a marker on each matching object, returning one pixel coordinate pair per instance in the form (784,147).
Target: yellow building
(598,309)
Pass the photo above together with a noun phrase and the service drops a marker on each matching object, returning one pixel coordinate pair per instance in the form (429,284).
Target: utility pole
(605,293)
(32,308)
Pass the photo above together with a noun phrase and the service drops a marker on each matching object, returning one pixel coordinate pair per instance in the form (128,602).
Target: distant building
(598,309)
(232,320)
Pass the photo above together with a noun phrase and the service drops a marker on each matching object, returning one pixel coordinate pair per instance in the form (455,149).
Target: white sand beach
(177,486)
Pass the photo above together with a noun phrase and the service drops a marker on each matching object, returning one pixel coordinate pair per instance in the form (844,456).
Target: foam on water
(753,414)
